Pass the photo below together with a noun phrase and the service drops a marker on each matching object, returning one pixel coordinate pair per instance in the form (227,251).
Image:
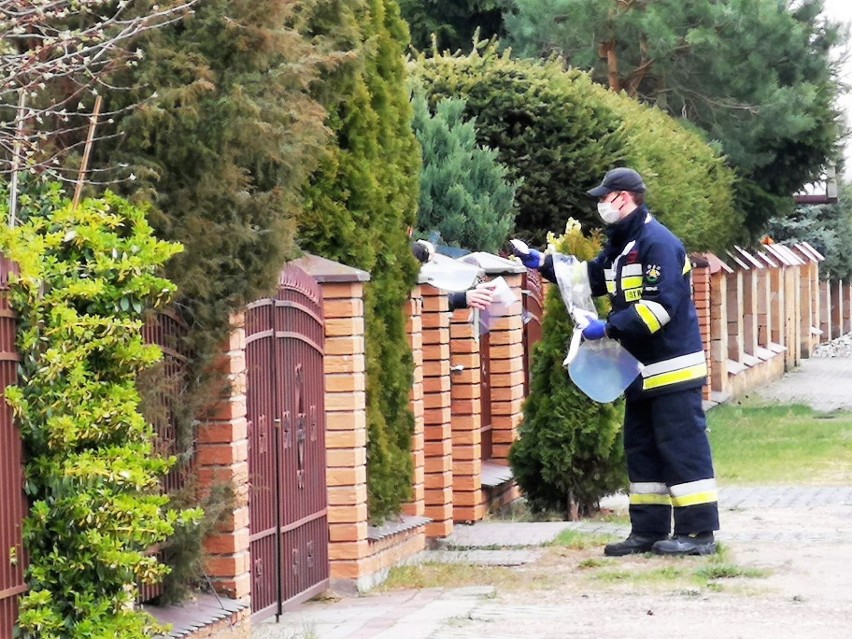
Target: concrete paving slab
(481,557)
(822,384)
(413,614)
(496,534)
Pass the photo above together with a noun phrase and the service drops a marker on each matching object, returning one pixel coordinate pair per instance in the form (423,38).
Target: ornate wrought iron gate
(287,457)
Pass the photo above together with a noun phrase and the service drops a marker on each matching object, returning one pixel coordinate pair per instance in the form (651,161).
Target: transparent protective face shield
(602,369)
(448,274)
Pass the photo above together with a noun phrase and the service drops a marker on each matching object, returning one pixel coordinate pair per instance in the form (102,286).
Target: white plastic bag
(448,274)
(602,369)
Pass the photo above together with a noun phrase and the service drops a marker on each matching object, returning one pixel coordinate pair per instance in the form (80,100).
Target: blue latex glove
(529,257)
(596,329)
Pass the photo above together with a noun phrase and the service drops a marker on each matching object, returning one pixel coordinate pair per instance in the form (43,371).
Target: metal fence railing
(12,501)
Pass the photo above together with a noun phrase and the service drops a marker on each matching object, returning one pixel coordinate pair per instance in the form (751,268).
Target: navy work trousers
(669,464)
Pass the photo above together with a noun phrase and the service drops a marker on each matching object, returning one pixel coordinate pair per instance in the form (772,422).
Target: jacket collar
(628,229)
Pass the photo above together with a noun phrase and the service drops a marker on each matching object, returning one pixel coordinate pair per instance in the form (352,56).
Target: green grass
(574,540)
(770,444)
(685,573)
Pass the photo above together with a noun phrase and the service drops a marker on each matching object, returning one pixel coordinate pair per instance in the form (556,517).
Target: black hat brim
(599,191)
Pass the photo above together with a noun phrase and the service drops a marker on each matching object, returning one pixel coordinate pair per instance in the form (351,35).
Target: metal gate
(12,503)
(165,380)
(287,457)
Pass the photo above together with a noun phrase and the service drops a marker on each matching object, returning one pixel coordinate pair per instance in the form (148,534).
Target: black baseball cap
(621,179)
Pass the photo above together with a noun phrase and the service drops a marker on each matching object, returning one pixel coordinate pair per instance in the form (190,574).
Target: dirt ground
(802,589)
(795,586)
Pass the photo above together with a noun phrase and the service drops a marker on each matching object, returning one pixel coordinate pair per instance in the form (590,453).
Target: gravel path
(798,538)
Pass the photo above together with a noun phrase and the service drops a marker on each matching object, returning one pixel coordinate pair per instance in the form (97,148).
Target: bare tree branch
(58,54)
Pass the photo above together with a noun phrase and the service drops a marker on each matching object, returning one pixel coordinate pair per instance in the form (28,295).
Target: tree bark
(608,51)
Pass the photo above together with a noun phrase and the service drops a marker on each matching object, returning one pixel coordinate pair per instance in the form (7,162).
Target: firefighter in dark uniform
(645,271)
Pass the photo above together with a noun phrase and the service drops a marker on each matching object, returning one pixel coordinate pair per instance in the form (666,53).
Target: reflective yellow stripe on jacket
(652,314)
(631,282)
(685,368)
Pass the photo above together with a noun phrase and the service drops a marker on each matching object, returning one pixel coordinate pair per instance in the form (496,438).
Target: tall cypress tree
(358,209)
(223,149)
(221,153)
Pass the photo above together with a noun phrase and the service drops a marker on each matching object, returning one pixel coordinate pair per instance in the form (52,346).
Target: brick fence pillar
(346,422)
(750,322)
(507,373)
(344,367)
(825,310)
(764,308)
(468,498)
(719,333)
(701,297)
(414,312)
(438,459)
(734,285)
(836,308)
(776,283)
(807,299)
(222,458)
(847,308)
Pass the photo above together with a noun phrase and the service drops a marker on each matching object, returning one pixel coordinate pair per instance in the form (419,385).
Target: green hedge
(559,132)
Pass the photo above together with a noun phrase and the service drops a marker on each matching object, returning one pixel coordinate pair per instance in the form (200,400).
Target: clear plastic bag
(602,369)
(573,284)
(448,274)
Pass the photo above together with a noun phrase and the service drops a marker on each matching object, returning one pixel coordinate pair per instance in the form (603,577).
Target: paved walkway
(752,518)
(820,383)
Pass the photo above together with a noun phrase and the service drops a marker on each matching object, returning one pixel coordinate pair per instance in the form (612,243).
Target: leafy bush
(559,132)
(87,276)
(464,193)
(568,454)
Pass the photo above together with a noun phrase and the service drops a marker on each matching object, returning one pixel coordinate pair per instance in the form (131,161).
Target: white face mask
(609,214)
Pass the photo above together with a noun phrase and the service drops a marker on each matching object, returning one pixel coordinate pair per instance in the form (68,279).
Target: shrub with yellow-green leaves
(86,277)
(568,454)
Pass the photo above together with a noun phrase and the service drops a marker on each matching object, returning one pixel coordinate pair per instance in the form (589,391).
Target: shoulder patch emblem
(652,273)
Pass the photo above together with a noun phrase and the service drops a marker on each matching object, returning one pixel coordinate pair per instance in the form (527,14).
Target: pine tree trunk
(612,66)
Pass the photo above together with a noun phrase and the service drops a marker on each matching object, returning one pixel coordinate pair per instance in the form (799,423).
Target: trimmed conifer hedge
(559,132)
(357,211)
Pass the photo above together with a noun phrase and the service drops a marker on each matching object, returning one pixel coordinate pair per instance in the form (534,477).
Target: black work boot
(635,544)
(679,545)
